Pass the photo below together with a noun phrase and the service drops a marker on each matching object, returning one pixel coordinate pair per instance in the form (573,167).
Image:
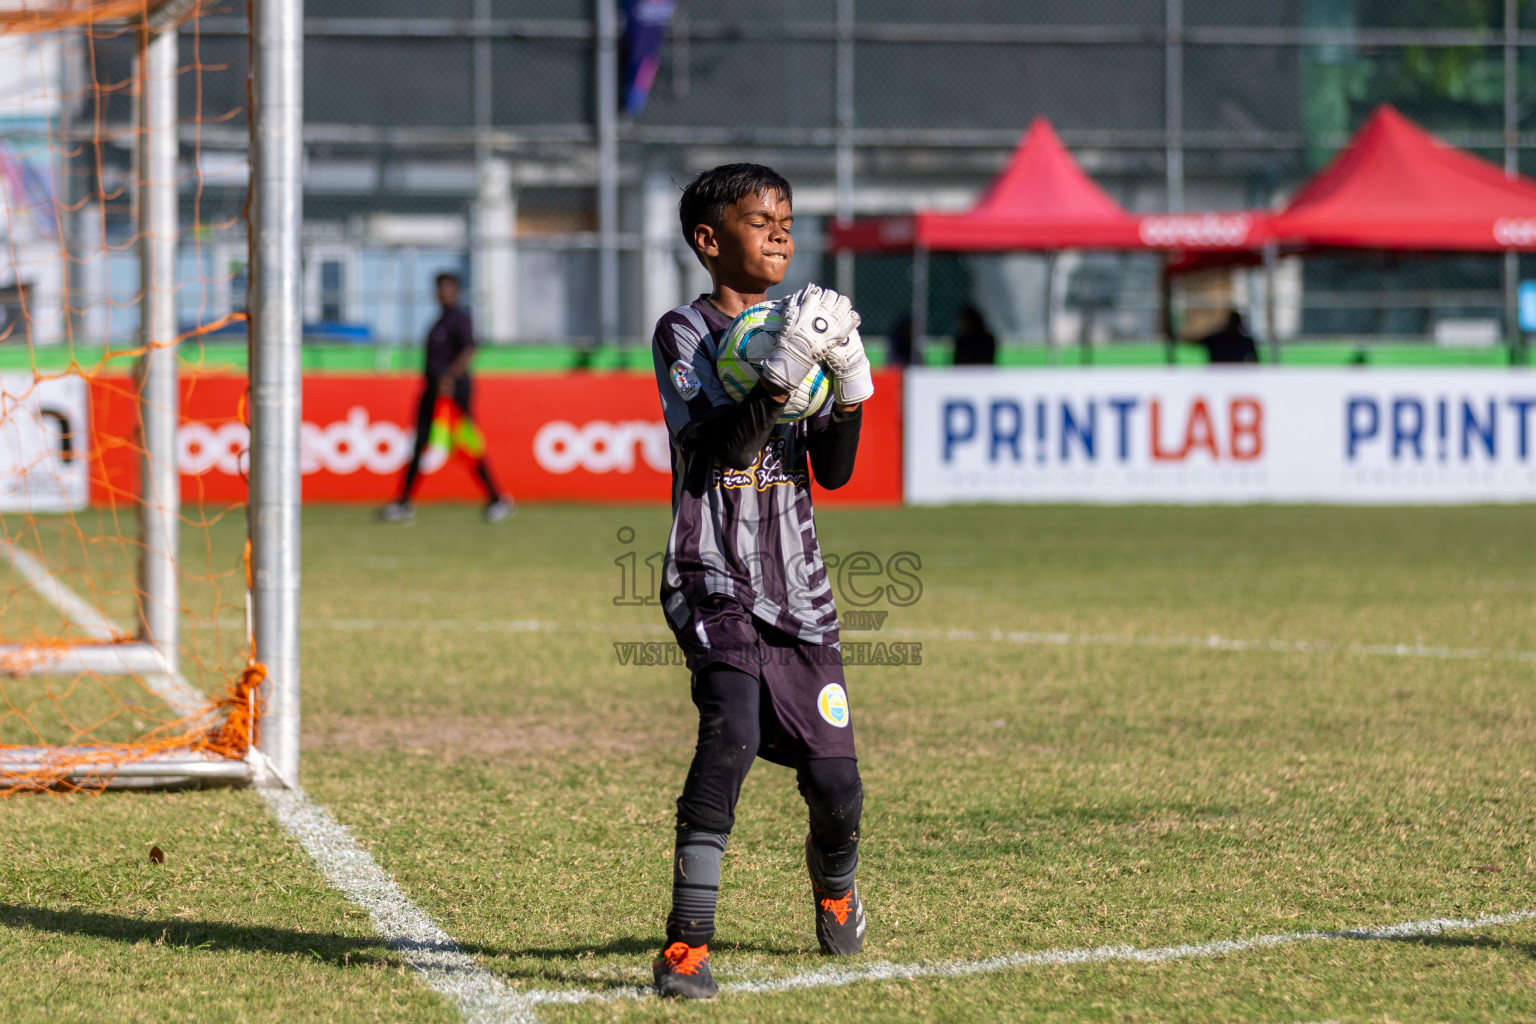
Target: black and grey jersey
(747,535)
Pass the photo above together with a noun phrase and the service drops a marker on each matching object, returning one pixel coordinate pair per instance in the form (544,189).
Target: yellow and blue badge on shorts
(832,702)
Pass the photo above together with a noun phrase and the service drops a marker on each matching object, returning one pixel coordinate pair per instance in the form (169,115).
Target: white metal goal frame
(276,159)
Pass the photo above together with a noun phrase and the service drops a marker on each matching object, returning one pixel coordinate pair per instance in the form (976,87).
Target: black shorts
(805,713)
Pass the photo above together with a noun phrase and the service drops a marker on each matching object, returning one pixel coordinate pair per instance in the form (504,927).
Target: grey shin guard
(695,885)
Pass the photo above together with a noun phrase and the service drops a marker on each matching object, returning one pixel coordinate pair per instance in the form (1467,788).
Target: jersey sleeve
(834,448)
(684,354)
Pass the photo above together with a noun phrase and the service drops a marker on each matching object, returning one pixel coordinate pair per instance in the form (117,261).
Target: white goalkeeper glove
(815,318)
(851,382)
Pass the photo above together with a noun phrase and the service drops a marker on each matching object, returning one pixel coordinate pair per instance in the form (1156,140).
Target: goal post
(277,167)
(86,701)
(159,376)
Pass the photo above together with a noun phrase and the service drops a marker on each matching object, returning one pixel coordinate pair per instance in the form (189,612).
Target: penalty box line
(837,977)
(482,998)
(1214,642)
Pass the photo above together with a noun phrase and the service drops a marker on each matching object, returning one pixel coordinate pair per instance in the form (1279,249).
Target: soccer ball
(747,343)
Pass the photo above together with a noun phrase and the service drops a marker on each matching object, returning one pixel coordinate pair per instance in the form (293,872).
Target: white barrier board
(44,443)
(1228,435)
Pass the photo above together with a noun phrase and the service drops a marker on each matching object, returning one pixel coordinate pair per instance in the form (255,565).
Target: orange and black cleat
(683,971)
(840,920)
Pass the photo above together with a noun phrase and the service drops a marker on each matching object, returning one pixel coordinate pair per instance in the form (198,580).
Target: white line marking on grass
(837,977)
(478,995)
(482,998)
(481,626)
(1216,642)
(74,608)
(1213,642)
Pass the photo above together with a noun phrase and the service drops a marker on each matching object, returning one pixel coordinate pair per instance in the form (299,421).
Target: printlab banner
(1221,435)
(43,443)
(550,437)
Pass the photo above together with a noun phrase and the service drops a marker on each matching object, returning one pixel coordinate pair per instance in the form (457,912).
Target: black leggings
(730,702)
(424,413)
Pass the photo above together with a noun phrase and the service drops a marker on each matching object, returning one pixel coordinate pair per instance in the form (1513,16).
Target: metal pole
(159,388)
(277,159)
(1173,100)
(70,87)
(482,69)
(845,270)
(1271,266)
(1165,296)
(493,223)
(1512,170)
(1085,334)
(478,229)
(919,302)
(606,55)
(1051,356)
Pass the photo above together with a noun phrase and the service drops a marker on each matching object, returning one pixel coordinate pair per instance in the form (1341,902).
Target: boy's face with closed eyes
(751,248)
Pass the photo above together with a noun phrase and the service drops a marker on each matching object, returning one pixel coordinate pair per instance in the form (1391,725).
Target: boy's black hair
(448,275)
(707,196)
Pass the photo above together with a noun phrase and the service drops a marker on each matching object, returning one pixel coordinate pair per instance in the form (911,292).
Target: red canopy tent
(1395,186)
(1042,200)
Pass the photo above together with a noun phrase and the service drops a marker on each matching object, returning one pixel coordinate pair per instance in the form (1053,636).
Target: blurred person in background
(450,348)
(1231,344)
(974,344)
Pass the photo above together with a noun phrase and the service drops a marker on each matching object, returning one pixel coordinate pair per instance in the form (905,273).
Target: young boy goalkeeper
(743,587)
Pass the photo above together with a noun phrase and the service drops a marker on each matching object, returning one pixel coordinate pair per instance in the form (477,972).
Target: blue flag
(645,28)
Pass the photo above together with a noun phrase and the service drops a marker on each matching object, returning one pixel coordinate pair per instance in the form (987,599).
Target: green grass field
(1073,764)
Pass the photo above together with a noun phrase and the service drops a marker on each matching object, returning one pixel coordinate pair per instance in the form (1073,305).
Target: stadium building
(1181,691)
(516,153)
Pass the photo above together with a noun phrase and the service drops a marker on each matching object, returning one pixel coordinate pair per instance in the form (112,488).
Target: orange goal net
(125,651)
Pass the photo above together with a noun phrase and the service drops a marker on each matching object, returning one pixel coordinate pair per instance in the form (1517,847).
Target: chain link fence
(466,136)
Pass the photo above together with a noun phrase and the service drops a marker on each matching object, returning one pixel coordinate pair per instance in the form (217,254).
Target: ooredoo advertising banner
(44,443)
(1230,435)
(570,437)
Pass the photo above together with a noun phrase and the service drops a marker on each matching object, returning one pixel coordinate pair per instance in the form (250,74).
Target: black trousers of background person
(462,393)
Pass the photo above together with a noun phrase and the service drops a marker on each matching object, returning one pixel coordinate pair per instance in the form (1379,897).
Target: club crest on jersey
(832,702)
(685,380)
